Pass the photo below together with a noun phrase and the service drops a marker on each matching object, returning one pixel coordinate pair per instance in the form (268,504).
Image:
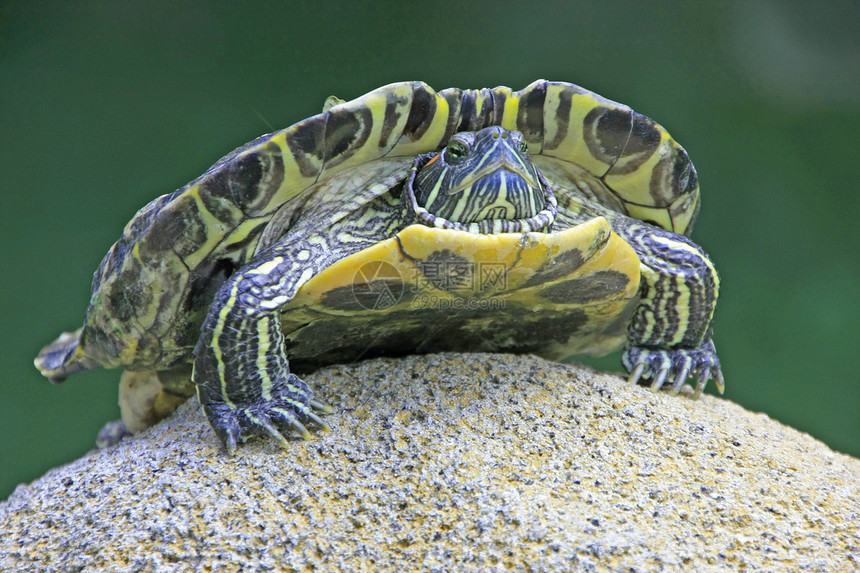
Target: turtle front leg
(241,368)
(669,336)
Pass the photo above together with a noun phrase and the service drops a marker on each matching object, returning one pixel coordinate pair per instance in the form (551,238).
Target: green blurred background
(105,105)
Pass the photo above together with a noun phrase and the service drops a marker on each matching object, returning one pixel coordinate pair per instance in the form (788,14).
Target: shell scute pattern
(305,143)
(641,143)
(559,120)
(254,178)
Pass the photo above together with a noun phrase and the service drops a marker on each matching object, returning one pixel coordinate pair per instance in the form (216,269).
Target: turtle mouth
(541,221)
(501,165)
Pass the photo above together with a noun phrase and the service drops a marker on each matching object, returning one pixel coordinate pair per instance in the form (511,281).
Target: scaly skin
(241,368)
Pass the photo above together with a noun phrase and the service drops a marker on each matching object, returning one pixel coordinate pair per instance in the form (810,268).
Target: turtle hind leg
(63,357)
(145,398)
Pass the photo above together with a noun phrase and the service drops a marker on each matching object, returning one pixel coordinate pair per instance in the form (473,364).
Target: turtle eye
(455,151)
(524,147)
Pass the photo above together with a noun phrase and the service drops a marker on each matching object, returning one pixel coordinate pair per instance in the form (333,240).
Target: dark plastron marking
(562,120)
(448,271)
(535,335)
(606,132)
(559,266)
(530,113)
(368,296)
(481,330)
(365,335)
(307,145)
(602,285)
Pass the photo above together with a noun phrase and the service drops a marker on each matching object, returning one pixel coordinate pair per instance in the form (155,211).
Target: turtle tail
(63,357)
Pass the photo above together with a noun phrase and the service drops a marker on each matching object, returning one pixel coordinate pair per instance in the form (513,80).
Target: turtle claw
(680,379)
(658,364)
(718,380)
(321,424)
(636,373)
(702,381)
(289,419)
(286,410)
(321,406)
(230,443)
(659,379)
(266,424)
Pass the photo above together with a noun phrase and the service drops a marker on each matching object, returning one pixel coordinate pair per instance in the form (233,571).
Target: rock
(452,462)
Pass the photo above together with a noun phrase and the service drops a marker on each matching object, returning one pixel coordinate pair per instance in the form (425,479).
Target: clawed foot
(288,408)
(111,434)
(660,364)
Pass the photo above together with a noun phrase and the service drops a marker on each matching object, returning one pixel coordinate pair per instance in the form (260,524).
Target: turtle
(549,220)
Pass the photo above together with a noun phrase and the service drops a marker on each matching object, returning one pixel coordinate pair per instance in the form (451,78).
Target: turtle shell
(153,288)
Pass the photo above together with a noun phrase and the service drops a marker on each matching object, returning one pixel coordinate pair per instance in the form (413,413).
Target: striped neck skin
(481,182)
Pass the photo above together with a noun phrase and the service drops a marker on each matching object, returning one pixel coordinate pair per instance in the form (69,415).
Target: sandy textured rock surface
(455,462)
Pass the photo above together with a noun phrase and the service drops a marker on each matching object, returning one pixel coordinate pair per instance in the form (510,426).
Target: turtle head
(481,182)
